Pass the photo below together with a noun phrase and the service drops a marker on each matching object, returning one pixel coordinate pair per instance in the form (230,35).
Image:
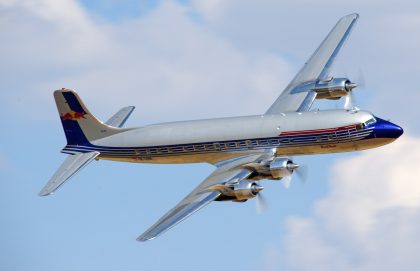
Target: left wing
(228,171)
(298,95)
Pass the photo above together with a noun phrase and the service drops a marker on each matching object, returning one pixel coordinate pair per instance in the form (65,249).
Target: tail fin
(80,126)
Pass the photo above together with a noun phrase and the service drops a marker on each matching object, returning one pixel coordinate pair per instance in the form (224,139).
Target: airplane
(244,150)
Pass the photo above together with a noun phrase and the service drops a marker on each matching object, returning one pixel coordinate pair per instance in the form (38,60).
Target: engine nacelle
(245,190)
(334,88)
(282,167)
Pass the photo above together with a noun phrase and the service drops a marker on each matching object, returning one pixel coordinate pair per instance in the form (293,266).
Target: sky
(190,59)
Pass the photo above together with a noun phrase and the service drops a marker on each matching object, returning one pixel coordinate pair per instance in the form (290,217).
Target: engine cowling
(282,167)
(245,190)
(334,88)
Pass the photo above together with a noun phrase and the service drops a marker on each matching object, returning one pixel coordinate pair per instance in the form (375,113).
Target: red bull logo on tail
(72,115)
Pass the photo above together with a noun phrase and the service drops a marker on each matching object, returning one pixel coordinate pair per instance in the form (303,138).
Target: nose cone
(396,131)
(386,129)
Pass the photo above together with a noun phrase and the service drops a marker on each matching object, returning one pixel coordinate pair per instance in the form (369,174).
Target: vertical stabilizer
(80,126)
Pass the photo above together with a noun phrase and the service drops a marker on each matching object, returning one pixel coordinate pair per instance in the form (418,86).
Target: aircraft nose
(396,130)
(386,129)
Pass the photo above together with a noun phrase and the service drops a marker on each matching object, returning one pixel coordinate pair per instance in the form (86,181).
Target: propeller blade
(361,79)
(261,204)
(286,181)
(302,173)
(348,102)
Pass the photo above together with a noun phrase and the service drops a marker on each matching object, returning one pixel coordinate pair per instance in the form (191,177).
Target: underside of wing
(228,171)
(298,95)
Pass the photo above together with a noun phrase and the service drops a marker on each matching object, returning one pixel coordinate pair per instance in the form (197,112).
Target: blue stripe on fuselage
(232,145)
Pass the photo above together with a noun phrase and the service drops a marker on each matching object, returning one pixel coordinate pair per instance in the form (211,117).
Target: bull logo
(72,115)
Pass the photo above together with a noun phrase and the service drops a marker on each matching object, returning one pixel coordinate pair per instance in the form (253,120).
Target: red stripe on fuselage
(310,132)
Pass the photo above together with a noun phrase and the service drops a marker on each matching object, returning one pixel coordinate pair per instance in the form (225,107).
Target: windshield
(370,121)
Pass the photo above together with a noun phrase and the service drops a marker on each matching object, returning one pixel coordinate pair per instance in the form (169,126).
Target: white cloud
(165,62)
(211,10)
(369,221)
(174,67)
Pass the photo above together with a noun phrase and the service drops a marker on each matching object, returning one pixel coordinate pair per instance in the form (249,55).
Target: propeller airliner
(244,150)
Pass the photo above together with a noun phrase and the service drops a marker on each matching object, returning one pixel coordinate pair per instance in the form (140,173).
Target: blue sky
(178,60)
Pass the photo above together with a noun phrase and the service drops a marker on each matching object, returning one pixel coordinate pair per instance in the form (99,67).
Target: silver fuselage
(214,140)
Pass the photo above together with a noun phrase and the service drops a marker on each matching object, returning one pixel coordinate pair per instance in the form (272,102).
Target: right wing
(228,171)
(298,95)
(120,117)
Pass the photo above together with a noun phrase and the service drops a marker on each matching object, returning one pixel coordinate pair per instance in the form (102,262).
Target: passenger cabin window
(199,147)
(231,144)
(153,151)
(210,147)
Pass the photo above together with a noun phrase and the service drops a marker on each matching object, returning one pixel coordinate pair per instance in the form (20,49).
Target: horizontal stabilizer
(120,117)
(70,166)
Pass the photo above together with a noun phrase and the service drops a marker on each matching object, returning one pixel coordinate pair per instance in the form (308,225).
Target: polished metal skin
(333,88)
(244,150)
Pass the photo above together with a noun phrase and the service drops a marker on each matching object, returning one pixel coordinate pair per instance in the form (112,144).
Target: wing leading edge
(298,95)
(228,171)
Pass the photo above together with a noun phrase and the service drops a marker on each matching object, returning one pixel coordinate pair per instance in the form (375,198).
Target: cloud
(369,221)
(234,60)
(165,62)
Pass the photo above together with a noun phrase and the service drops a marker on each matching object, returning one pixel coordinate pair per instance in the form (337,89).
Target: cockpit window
(370,121)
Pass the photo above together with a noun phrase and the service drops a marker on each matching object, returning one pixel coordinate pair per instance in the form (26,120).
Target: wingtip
(44,194)
(354,15)
(144,238)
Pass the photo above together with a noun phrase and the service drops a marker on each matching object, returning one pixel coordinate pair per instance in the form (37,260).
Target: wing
(228,171)
(120,117)
(298,95)
(70,166)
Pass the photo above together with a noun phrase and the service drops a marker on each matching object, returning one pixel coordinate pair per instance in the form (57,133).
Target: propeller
(301,172)
(261,204)
(349,101)
(287,181)
(361,79)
